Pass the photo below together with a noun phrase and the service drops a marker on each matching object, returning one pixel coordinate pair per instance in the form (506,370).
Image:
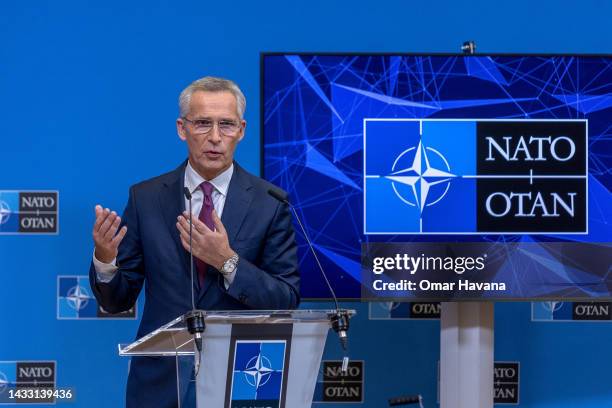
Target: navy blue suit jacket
(259,229)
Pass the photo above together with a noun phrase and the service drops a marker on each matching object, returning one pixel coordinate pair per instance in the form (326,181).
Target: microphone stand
(194,318)
(340,320)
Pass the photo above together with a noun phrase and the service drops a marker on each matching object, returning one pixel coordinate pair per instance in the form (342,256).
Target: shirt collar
(221,182)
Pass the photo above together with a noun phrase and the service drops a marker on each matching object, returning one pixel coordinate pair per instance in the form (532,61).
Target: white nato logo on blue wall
(21,375)
(3,382)
(74,300)
(552,306)
(29,212)
(551,310)
(475,176)
(5,212)
(78,297)
(8,378)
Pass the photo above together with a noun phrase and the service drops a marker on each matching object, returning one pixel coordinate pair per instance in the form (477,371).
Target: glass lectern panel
(173,338)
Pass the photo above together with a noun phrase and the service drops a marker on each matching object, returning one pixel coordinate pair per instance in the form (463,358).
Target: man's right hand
(105,234)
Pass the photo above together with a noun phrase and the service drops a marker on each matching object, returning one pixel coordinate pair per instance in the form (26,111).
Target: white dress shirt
(105,272)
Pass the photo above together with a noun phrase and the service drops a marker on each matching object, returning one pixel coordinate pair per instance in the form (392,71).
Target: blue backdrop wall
(88,103)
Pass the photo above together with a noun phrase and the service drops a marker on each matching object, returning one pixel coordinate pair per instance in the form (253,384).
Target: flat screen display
(437,148)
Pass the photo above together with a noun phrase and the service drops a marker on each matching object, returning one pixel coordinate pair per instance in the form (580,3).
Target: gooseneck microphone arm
(282,199)
(188,197)
(194,318)
(340,321)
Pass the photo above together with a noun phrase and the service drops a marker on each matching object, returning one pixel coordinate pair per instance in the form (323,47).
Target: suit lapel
(236,206)
(173,204)
(237,203)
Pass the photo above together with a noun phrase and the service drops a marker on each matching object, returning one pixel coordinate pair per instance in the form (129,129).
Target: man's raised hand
(105,234)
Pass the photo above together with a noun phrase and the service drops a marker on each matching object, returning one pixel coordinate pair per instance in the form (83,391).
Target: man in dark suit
(243,241)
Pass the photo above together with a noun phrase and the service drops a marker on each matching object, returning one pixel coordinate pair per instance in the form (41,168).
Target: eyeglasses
(204,126)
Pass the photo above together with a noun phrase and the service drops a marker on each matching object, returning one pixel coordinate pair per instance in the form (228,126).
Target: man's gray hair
(211,84)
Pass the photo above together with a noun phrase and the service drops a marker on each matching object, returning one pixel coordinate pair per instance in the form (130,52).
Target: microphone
(340,321)
(194,318)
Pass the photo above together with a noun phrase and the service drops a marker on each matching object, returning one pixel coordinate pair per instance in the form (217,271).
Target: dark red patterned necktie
(206,217)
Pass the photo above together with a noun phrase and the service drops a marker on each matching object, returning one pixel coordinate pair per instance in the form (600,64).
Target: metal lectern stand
(248,357)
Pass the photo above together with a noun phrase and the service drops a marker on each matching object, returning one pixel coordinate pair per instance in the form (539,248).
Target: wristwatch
(230,265)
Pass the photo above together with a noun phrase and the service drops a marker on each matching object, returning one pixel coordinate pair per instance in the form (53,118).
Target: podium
(248,358)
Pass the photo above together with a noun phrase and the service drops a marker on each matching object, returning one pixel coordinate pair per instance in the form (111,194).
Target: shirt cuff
(228,279)
(105,272)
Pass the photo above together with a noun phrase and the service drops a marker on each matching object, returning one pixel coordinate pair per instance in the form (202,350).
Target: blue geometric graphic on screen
(480,102)
(316,161)
(430,176)
(394,70)
(312,101)
(258,370)
(600,213)
(586,103)
(538,269)
(347,136)
(386,99)
(74,298)
(484,68)
(346,264)
(560,274)
(9,211)
(299,66)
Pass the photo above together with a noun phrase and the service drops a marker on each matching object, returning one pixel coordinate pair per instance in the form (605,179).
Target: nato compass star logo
(389,306)
(78,297)
(3,382)
(74,299)
(420,176)
(258,371)
(5,212)
(552,306)
(551,311)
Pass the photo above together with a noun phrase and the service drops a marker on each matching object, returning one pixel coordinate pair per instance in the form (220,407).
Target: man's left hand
(209,246)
